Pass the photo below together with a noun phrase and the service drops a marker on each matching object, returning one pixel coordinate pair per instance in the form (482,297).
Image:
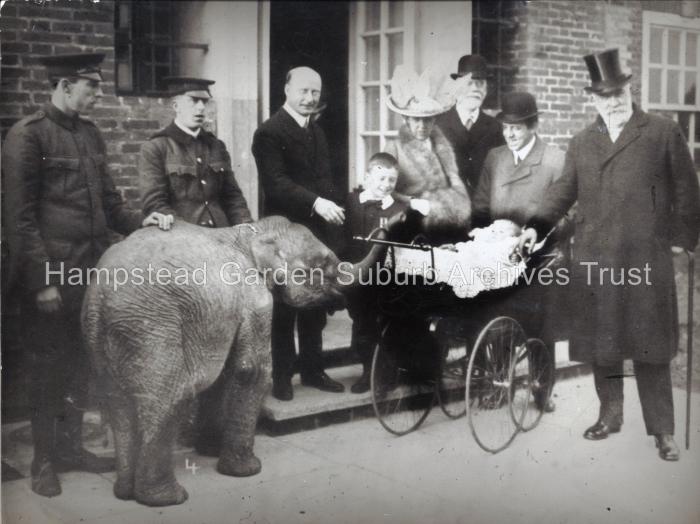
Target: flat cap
(194,87)
(83,65)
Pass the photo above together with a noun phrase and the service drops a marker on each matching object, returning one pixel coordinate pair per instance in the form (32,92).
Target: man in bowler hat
(61,203)
(638,201)
(471,132)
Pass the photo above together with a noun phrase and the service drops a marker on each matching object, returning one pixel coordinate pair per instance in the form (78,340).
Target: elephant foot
(239,465)
(169,494)
(124,489)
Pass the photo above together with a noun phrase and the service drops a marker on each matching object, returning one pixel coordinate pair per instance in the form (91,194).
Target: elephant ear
(267,254)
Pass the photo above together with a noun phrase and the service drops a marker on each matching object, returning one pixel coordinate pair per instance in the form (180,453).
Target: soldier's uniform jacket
(191,178)
(61,201)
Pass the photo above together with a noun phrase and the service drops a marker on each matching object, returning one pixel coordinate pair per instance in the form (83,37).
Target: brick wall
(31,29)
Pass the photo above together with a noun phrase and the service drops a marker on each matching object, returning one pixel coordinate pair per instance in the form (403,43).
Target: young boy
(364,210)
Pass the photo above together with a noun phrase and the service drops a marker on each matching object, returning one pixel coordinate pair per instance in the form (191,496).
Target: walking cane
(689,378)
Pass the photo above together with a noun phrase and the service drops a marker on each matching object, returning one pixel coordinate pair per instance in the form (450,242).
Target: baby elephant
(167,313)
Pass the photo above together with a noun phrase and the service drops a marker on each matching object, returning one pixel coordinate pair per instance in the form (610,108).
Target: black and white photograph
(350,262)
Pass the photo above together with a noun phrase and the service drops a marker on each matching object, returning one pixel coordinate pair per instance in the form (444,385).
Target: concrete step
(312,408)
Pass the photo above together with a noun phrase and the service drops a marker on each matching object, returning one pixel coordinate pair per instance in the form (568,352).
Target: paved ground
(359,473)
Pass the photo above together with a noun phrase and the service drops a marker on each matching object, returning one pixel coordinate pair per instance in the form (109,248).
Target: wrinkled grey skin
(155,346)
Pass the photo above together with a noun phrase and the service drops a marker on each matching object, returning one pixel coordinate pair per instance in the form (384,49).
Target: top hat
(474,64)
(194,87)
(605,72)
(82,65)
(517,107)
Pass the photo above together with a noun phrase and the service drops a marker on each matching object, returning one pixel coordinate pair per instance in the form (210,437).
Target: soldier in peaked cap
(186,171)
(61,203)
(471,132)
(638,200)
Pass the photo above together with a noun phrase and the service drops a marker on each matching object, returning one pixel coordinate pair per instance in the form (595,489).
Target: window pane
(689,96)
(655,86)
(672,87)
(395,14)
(162,24)
(655,45)
(674,42)
(691,48)
(371,146)
(124,19)
(124,76)
(372,16)
(395,121)
(372,58)
(395,42)
(697,127)
(371,108)
(696,155)
(684,122)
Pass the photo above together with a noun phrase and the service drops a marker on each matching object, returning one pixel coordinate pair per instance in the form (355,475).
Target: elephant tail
(93,333)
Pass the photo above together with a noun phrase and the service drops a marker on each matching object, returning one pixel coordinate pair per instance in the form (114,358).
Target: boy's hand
(421,205)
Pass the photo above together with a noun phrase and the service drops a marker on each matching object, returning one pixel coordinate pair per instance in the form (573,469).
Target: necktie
(468,124)
(517,160)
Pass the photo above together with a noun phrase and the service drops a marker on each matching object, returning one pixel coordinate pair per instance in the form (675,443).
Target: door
(315,34)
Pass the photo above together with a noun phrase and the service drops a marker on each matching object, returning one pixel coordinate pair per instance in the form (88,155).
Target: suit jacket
(637,197)
(515,192)
(294,169)
(190,178)
(60,200)
(471,147)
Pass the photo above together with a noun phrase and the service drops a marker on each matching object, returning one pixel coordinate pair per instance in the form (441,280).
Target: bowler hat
(82,65)
(605,72)
(194,87)
(517,107)
(474,64)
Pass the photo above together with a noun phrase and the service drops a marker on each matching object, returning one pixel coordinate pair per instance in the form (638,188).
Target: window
(670,71)
(493,32)
(146,50)
(383,39)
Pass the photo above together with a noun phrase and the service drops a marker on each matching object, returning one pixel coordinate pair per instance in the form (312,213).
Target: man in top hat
(293,161)
(61,203)
(185,170)
(513,183)
(638,200)
(471,132)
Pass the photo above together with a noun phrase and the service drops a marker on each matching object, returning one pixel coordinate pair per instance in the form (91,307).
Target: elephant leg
(122,414)
(250,380)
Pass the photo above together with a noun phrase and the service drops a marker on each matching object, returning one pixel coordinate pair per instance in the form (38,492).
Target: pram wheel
(453,374)
(489,387)
(403,388)
(532,377)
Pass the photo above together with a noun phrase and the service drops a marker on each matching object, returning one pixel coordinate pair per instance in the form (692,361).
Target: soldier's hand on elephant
(158,219)
(329,211)
(48,300)
(677,250)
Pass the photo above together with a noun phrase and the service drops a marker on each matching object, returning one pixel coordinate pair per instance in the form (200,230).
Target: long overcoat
(637,197)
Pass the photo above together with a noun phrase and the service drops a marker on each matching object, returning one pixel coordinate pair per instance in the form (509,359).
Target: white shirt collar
(465,113)
(299,119)
(519,155)
(187,130)
(387,201)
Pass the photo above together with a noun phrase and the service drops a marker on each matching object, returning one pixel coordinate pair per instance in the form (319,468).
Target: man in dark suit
(638,201)
(292,157)
(471,132)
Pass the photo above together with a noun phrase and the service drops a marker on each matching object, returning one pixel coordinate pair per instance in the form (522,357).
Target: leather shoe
(362,385)
(323,382)
(44,479)
(601,430)
(82,460)
(283,390)
(668,449)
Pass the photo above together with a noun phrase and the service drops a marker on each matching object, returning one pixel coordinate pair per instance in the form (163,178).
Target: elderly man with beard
(638,200)
(471,132)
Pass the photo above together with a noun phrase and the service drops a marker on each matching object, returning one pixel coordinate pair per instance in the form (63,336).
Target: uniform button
(204,182)
(206,202)
(210,223)
(199,159)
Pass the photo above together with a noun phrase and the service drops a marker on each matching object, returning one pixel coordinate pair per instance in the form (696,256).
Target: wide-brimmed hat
(474,64)
(194,87)
(419,97)
(605,72)
(517,107)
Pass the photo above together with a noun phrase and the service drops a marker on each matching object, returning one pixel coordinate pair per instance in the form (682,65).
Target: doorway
(315,34)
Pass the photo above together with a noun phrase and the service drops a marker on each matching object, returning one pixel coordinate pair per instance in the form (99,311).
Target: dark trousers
(655,394)
(58,369)
(310,323)
(363,310)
